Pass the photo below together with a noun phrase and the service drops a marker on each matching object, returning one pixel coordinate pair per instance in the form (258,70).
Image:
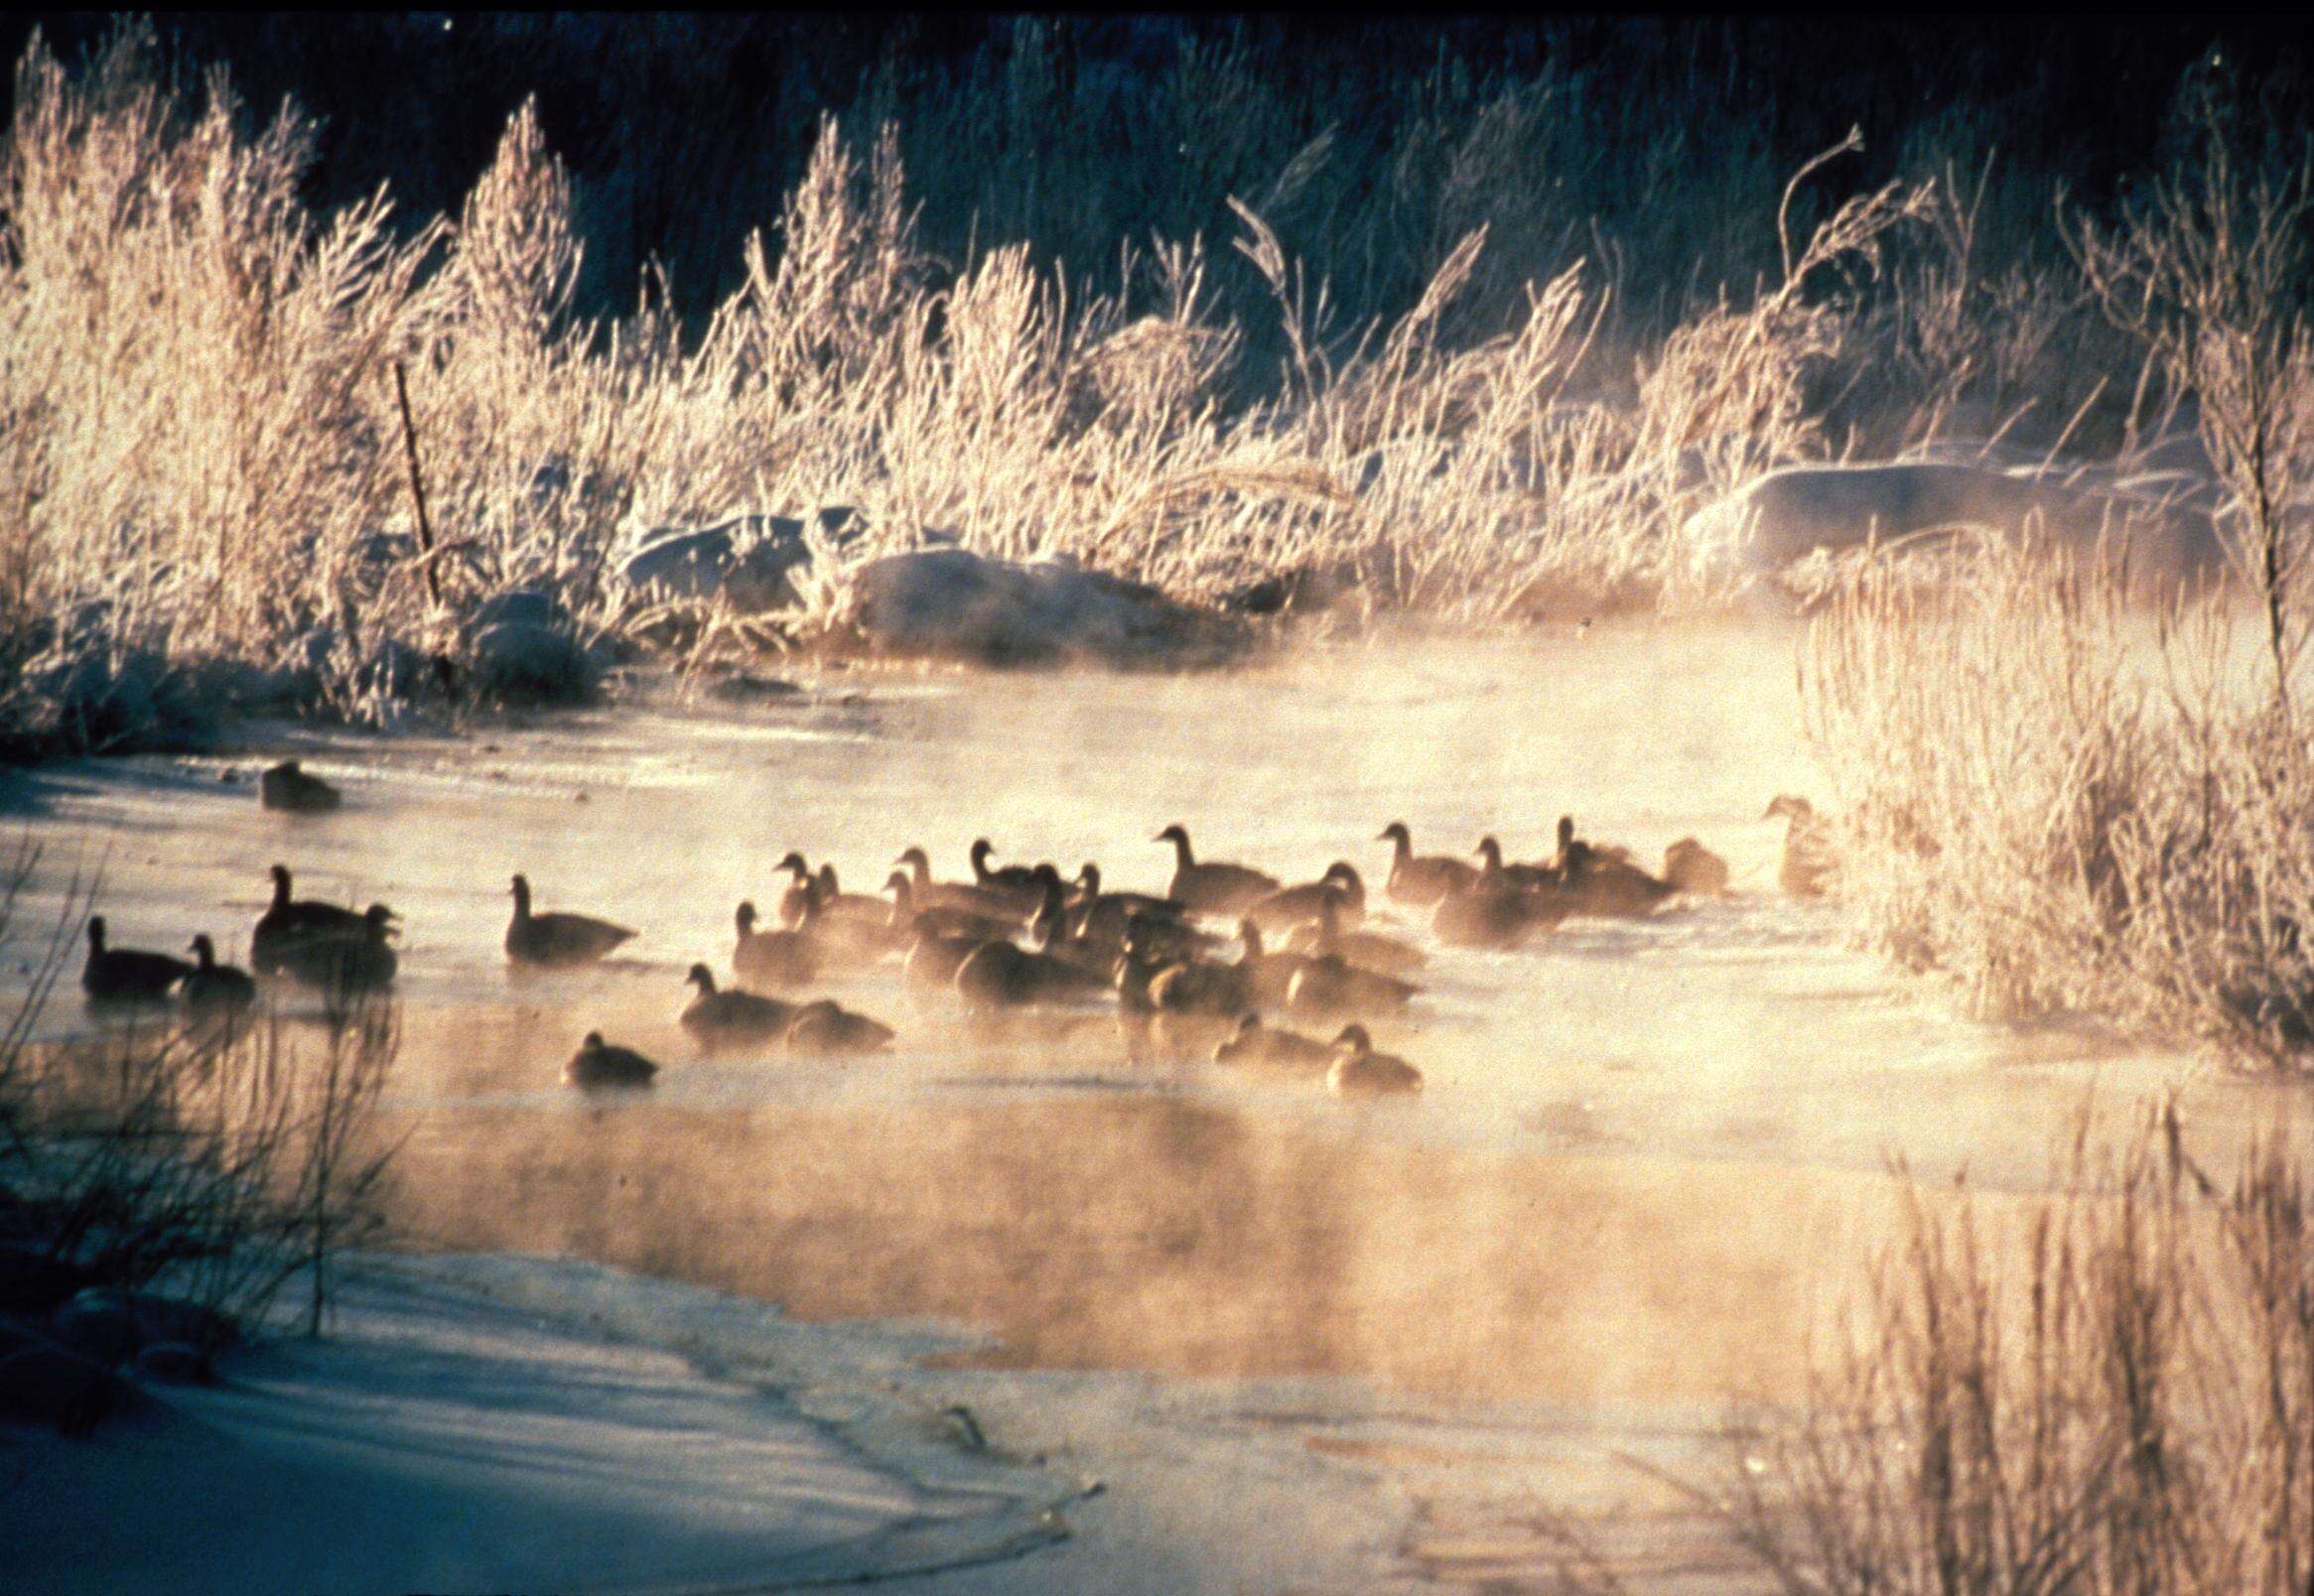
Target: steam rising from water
(1638,1144)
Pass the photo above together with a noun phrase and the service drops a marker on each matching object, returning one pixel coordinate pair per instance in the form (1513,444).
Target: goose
(1204,988)
(718,1019)
(1492,913)
(798,891)
(1212,888)
(1359,1071)
(1422,879)
(1137,968)
(909,921)
(1267,974)
(1018,887)
(287,787)
(778,958)
(1371,950)
(1101,919)
(1601,882)
(999,975)
(349,960)
(557,939)
(1523,877)
(1049,933)
(598,1065)
(827,1028)
(1258,1044)
(937,955)
(1332,987)
(127,975)
(287,922)
(1693,869)
(950,894)
(851,923)
(212,990)
(1339,888)
(1808,852)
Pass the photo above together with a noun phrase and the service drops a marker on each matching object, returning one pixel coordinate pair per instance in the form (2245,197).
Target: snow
(439,1440)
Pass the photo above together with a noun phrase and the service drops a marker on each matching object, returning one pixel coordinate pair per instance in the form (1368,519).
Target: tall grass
(205,492)
(2109,1388)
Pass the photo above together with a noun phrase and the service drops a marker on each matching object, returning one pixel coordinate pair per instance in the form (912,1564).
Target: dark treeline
(1076,134)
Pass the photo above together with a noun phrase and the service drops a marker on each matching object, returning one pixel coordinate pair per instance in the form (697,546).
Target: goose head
(702,978)
(1355,1040)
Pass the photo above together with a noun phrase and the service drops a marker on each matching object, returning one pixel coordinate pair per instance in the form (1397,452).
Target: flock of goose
(1013,940)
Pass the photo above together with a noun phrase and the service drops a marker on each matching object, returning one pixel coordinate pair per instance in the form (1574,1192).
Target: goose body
(1359,1071)
(288,923)
(929,893)
(557,939)
(776,958)
(598,1065)
(1019,889)
(936,957)
(1266,1046)
(1693,869)
(794,901)
(829,1029)
(1212,888)
(1808,852)
(1422,879)
(1332,987)
(212,990)
(1490,914)
(288,788)
(909,921)
(127,975)
(999,974)
(1369,950)
(1601,881)
(1340,889)
(355,959)
(728,1019)
(1203,988)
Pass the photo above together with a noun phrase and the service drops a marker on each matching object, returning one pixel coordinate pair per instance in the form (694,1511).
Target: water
(1648,1155)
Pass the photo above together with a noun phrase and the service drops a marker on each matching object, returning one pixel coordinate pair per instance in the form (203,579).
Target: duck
(350,959)
(952,894)
(1359,1071)
(1695,869)
(1330,988)
(1371,950)
(289,921)
(1422,879)
(127,975)
(722,1018)
(557,939)
(787,957)
(828,1030)
(1809,858)
(598,1065)
(288,788)
(1212,888)
(1253,1043)
(1002,975)
(1340,889)
(212,990)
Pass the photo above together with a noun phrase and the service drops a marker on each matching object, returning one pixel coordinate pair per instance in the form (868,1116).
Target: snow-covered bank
(444,1439)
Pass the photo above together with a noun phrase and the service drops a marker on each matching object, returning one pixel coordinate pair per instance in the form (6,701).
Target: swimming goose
(1340,889)
(1359,1071)
(730,1018)
(828,1030)
(1212,888)
(909,921)
(1203,988)
(1267,974)
(1492,912)
(127,975)
(1372,950)
(999,975)
(1809,858)
(778,958)
(1255,1043)
(1332,987)
(1018,887)
(287,922)
(1100,919)
(800,887)
(287,787)
(1524,877)
(1422,879)
(936,956)
(598,1065)
(347,960)
(1601,881)
(557,939)
(1693,869)
(1137,968)
(213,990)
(951,895)
(850,925)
